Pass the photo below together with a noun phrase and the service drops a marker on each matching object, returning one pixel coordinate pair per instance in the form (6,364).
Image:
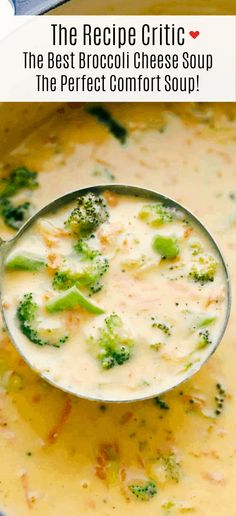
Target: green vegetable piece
(27,317)
(70,299)
(24,262)
(166,246)
(91,211)
(161,403)
(20,178)
(144,491)
(205,320)
(204,339)
(94,267)
(103,116)
(156,214)
(14,216)
(204,270)
(15,383)
(85,251)
(113,346)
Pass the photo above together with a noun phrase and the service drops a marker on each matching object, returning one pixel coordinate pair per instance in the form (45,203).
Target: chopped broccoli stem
(25,262)
(106,119)
(19,179)
(113,346)
(144,491)
(72,298)
(166,246)
(27,317)
(203,320)
(156,214)
(14,216)
(91,211)
(204,270)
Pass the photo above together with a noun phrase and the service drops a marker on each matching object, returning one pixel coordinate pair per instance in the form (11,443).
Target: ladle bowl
(6,247)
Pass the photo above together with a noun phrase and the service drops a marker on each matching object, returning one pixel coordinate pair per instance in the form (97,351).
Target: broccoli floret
(18,179)
(113,346)
(94,268)
(85,251)
(144,490)
(63,280)
(156,214)
(91,211)
(89,276)
(203,271)
(204,339)
(104,117)
(14,216)
(27,316)
(93,272)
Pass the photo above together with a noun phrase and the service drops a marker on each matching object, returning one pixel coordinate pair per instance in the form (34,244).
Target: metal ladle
(143,193)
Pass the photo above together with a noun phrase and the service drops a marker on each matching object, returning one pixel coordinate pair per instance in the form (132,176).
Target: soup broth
(168,455)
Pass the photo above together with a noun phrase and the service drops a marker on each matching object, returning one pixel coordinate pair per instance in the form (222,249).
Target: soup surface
(171,455)
(115,281)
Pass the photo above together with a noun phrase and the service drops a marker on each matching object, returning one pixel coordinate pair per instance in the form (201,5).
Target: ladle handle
(3,247)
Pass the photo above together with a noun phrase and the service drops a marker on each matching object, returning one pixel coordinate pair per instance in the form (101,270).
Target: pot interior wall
(18,119)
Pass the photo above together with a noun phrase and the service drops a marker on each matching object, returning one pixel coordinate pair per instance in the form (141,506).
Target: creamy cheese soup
(115,297)
(171,455)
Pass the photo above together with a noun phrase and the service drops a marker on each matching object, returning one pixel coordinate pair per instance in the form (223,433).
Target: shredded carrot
(51,242)
(214,477)
(122,474)
(36,398)
(72,320)
(111,198)
(91,504)
(57,429)
(25,485)
(140,461)
(53,261)
(188,231)
(100,472)
(127,416)
(107,453)
(47,296)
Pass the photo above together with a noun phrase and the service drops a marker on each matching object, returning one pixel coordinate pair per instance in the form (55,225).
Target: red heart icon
(194,34)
